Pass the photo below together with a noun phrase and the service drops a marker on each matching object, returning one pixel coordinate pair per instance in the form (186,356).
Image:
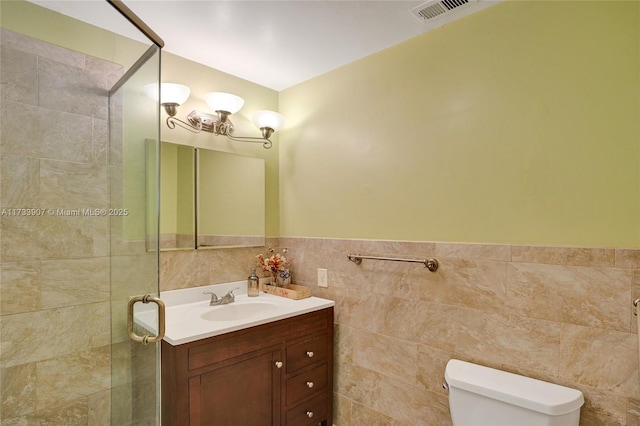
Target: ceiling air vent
(432,9)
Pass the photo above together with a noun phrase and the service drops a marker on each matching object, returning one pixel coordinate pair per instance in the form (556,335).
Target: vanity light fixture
(172,95)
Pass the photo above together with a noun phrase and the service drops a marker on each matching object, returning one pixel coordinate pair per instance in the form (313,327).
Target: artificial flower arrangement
(277,265)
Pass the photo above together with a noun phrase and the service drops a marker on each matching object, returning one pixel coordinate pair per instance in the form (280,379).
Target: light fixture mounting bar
(173,121)
(211,123)
(207,122)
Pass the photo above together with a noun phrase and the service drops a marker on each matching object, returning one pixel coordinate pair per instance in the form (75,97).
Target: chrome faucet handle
(214,297)
(230,297)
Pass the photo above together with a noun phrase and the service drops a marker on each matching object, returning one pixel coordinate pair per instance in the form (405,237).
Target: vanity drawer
(215,349)
(308,413)
(305,353)
(307,383)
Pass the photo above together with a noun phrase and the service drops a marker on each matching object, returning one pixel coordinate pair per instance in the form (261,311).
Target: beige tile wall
(195,268)
(559,314)
(55,335)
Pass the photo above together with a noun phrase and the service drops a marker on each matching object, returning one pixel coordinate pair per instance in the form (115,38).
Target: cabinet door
(244,393)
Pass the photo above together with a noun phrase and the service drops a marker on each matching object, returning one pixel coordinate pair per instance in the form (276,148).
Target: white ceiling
(276,44)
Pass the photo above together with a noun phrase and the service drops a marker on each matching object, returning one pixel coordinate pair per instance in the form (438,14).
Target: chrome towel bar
(430,264)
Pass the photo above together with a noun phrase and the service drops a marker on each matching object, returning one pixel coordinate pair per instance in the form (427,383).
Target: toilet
(481,395)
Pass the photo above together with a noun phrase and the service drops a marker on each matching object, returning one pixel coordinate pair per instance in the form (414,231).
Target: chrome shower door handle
(146,339)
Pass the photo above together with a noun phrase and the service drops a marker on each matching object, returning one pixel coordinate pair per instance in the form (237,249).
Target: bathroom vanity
(272,365)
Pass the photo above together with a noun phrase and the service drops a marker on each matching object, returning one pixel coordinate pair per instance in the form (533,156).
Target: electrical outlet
(322,278)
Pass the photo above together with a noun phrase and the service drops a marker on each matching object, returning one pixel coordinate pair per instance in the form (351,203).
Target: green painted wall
(518,124)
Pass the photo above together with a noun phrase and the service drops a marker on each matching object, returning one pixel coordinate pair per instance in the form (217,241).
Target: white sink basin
(237,311)
(189,317)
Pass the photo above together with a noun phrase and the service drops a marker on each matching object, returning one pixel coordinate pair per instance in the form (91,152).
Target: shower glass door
(79,172)
(133,214)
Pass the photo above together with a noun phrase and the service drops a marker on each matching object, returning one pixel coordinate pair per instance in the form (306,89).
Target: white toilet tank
(481,395)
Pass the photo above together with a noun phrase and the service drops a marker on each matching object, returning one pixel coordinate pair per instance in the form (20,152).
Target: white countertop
(187,310)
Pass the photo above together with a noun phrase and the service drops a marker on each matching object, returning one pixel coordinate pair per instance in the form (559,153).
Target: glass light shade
(270,119)
(220,101)
(171,93)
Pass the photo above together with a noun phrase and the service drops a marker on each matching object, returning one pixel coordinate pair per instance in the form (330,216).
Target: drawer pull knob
(279,364)
(310,354)
(309,414)
(309,385)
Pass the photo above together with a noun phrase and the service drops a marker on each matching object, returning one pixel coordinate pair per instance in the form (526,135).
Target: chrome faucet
(224,300)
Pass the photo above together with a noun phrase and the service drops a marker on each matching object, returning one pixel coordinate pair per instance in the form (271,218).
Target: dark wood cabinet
(280,373)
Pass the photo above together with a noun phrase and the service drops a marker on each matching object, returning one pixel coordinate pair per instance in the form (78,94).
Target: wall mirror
(230,200)
(210,199)
(177,197)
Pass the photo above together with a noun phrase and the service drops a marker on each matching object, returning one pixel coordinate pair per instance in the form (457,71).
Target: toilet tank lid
(536,395)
